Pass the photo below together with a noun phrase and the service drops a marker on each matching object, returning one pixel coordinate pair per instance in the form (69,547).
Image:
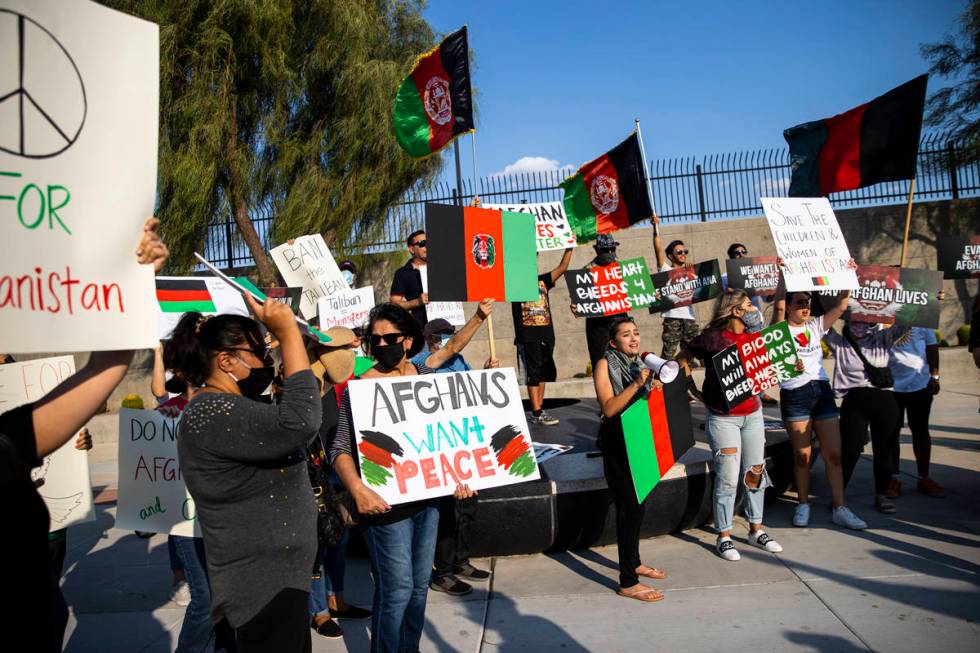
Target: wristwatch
(935,377)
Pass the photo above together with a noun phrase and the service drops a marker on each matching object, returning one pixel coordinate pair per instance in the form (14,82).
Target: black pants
(918,405)
(875,408)
(453,539)
(57,548)
(629,513)
(597,335)
(282,626)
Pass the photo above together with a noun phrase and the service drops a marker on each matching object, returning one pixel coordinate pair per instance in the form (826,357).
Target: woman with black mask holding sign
(401,541)
(243,461)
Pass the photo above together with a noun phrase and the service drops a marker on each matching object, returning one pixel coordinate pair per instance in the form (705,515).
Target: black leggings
(629,513)
(282,626)
(918,405)
(874,408)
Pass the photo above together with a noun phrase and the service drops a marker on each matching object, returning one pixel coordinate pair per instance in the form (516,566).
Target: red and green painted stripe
(820,281)
(184,296)
(513,452)
(378,452)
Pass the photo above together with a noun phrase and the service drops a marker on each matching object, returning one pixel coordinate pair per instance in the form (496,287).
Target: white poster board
(225,298)
(347,309)
(550,223)
(451,312)
(152,494)
(308,263)
(78,169)
(419,437)
(67,486)
(808,238)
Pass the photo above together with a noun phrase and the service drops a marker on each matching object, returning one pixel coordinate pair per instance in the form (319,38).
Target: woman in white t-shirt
(807,403)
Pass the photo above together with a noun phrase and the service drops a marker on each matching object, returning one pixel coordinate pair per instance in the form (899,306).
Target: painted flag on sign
(184,295)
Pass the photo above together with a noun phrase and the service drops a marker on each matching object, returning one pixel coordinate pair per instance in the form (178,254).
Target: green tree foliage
(957,107)
(282,104)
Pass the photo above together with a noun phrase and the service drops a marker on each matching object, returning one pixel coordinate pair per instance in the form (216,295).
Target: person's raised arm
(562,268)
(779,298)
(611,403)
(462,337)
(658,248)
(843,298)
(280,321)
(158,380)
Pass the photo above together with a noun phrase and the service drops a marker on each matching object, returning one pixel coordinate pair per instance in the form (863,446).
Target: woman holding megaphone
(620,378)
(736,434)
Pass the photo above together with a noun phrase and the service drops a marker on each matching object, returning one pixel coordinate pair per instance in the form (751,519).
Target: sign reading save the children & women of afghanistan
(757,276)
(419,437)
(754,366)
(78,157)
(684,286)
(610,289)
(550,223)
(890,295)
(810,242)
(307,262)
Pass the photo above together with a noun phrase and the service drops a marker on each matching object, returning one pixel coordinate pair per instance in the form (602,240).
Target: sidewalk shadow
(576,566)
(821,643)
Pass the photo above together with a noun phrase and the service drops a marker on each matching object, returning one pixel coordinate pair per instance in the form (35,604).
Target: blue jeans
(197,632)
(401,564)
(747,436)
(333,563)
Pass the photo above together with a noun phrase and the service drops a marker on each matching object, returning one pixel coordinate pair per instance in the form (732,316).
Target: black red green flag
(875,142)
(477,253)
(184,296)
(608,193)
(434,103)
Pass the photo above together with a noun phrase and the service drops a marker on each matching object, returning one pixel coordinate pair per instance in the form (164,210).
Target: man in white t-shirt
(680,324)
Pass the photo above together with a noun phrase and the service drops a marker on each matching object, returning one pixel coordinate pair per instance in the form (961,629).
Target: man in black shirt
(597,328)
(534,336)
(406,285)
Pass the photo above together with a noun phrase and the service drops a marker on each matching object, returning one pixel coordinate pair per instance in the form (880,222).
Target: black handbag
(331,515)
(880,377)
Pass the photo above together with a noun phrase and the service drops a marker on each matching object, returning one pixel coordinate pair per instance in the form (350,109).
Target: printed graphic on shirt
(803,338)
(537,314)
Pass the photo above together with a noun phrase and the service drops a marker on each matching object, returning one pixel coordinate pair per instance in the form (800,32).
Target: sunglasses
(388,338)
(605,250)
(419,243)
(741,252)
(259,352)
(681,252)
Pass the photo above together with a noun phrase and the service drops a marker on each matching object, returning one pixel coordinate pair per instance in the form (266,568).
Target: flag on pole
(608,193)
(875,142)
(434,104)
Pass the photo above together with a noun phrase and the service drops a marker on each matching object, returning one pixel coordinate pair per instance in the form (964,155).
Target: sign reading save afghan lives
(419,437)
(78,173)
(890,295)
(757,276)
(756,365)
(610,289)
(550,222)
(63,475)
(152,495)
(348,309)
(808,238)
(308,263)
(684,286)
(959,256)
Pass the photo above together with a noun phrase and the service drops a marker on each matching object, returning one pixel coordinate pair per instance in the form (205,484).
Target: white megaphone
(666,371)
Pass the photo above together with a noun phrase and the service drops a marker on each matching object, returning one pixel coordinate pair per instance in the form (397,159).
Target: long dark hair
(402,319)
(197,338)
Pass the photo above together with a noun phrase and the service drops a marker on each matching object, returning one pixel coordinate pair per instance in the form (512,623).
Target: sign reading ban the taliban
(890,295)
(756,365)
(685,286)
(757,276)
(610,289)
(550,223)
(419,437)
(308,263)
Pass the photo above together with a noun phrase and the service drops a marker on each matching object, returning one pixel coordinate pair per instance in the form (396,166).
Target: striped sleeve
(343,442)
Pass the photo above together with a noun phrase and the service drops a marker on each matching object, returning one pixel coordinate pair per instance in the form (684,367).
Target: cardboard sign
(755,366)
(152,494)
(685,286)
(452,312)
(890,295)
(959,256)
(64,475)
(78,156)
(309,264)
(610,289)
(550,222)
(205,295)
(810,241)
(418,437)
(757,276)
(348,309)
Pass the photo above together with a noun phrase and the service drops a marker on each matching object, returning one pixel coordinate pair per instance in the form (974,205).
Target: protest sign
(152,494)
(959,256)
(419,437)
(757,276)
(452,312)
(78,155)
(761,362)
(205,295)
(889,295)
(684,286)
(610,289)
(808,238)
(308,263)
(347,309)
(550,223)
(63,475)
(288,296)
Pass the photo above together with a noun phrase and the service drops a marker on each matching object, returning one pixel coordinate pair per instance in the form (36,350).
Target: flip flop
(647,595)
(654,573)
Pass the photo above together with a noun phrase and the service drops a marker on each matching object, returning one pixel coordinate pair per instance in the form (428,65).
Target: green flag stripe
(187,307)
(248,285)
(578,206)
(640,449)
(411,123)
(520,257)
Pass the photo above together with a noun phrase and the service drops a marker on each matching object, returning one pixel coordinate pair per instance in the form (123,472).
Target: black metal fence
(685,190)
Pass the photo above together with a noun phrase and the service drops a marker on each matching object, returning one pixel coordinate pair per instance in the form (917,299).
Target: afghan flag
(184,296)
(658,432)
(434,103)
(477,253)
(875,142)
(609,193)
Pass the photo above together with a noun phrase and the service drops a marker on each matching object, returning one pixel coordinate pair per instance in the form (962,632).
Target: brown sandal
(645,594)
(654,573)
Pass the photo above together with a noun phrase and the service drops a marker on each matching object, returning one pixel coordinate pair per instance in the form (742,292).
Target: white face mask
(348,277)
(444,338)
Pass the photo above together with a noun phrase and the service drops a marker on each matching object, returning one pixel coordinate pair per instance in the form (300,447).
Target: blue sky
(561,82)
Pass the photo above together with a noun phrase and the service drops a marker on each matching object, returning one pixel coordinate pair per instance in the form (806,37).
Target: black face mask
(253,385)
(388,356)
(605,258)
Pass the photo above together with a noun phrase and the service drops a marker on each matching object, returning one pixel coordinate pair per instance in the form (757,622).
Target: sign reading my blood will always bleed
(419,437)
(757,364)
(610,289)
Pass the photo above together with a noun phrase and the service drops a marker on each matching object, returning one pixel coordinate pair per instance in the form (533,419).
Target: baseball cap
(605,240)
(437,325)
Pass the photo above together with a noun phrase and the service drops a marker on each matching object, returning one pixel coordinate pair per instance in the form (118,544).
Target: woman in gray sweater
(244,464)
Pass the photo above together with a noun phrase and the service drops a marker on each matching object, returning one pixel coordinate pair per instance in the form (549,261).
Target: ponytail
(197,338)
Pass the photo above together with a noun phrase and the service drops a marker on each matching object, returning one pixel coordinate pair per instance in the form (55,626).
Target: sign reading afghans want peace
(78,155)
(959,256)
(418,437)
(307,262)
(754,366)
(610,289)
(684,286)
(810,242)
(550,223)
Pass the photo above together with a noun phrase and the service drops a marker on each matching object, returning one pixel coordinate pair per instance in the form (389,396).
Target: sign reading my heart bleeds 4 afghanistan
(750,368)
(890,295)
(610,289)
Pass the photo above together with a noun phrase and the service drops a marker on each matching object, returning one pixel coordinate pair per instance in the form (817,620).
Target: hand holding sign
(152,249)
(277,317)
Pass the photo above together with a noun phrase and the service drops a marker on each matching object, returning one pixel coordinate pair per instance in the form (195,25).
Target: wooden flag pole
(643,155)
(493,346)
(908,221)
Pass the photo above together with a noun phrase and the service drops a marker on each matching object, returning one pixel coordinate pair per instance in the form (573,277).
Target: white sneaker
(180,593)
(844,517)
(726,549)
(762,540)
(801,518)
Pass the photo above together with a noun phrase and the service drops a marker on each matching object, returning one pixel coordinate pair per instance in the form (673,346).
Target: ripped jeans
(745,434)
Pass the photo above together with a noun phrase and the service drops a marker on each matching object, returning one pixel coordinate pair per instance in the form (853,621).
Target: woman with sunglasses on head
(243,461)
(733,432)
(620,379)
(401,541)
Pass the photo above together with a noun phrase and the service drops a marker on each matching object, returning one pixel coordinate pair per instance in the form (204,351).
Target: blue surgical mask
(348,277)
(752,321)
(444,338)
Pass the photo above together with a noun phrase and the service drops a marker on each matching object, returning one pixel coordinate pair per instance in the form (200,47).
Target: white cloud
(530,164)
(772,187)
